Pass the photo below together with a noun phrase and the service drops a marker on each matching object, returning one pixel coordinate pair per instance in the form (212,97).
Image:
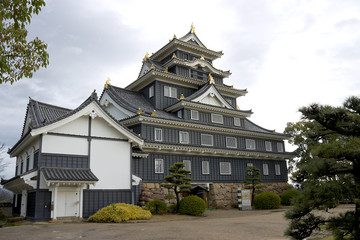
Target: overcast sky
(286,53)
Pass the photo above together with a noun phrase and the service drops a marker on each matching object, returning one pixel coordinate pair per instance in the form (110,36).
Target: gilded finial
(202,58)
(232,86)
(139,111)
(182,97)
(211,79)
(152,66)
(166,70)
(237,107)
(107,83)
(174,37)
(274,131)
(146,57)
(153,113)
(139,134)
(192,28)
(174,55)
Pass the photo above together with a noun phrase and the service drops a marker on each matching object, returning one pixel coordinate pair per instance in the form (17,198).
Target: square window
(217,118)
(170,92)
(237,122)
(158,134)
(151,91)
(225,168)
(249,164)
(179,114)
(194,115)
(159,165)
(265,169)
(184,137)
(280,147)
(207,140)
(231,142)
(268,146)
(250,144)
(205,167)
(277,169)
(187,164)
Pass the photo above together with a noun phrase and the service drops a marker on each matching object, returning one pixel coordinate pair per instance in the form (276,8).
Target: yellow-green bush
(119,212)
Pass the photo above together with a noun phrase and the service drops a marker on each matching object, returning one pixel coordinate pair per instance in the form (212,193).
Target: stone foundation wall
(221,195)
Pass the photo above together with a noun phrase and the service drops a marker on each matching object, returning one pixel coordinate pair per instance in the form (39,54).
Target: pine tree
(178,181)
(327,169)
(252,180)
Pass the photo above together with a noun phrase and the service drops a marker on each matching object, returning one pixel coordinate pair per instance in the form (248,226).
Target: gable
(114,109)
(144,69)
(212,97)
(193,39)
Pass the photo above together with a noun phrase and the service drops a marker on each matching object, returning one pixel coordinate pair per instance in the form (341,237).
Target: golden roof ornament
(174,37)
(237,107)
(153,113)
(182,97)
(202,58)
(174,55)
(146,57)
(192,30)
(152,66)
(166,70)
(107,83)
(274,131)
(232,86)
(211,79)
(139,111)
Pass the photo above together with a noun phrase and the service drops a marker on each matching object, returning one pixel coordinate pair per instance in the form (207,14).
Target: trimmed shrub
(267,200)
(172,208)
(156,206)
(119,212)
(5,204)
(288,195)
(2,215)
(192,205)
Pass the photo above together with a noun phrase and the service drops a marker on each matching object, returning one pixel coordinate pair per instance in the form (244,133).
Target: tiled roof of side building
(132,101)
(68,174)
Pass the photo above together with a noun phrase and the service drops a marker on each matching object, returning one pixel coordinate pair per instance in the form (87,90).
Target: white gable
(113,108)
(192,37)
(144,69)
(212,97)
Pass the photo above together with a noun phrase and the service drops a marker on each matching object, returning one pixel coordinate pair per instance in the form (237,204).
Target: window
(280,147)
(249,164)
(250,144)
(207,140)
(27,163)
(21,166)
(277,169)
(184,137)
(268,146)
(187,164)
(36,159)
(179,114)
(237,122)
(170,92)
(194,115)
(231,142)
(265,169)
(217,118)
(225,168)
(158,134)
(205,167)
(159,166)
(151,91)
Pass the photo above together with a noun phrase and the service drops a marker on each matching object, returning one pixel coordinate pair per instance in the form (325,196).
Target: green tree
(327,169)
(178,181)
(252,181)
(19,57)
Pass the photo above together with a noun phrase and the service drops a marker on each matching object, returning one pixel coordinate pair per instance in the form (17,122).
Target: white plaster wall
(23,203)
(110,162)
(101,128)
(64,145)
(211,101)
(79,126)
(116,113)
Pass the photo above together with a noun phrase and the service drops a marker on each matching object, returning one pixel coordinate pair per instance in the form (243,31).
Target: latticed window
(158,134)
(205,167)
(194,115)
(250,144)
(207,140)
(217,118)
(225,168)
(187,164)
(277,169)
(184,137)
(170,92)
(268,146)
(280,147)
(265,169)
(231,142)
(237,122)
(159,165)
(151,91)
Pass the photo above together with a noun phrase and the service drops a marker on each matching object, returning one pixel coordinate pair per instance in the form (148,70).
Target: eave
(181,124)
(210,151)
(198,106)
(197,62)
(19,146)
(177,44)
(163,76)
